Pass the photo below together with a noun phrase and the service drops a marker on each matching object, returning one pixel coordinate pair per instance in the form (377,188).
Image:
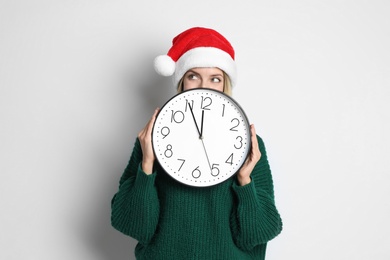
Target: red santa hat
(195,48)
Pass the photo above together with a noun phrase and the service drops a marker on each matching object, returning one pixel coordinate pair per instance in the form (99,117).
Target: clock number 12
(206,102)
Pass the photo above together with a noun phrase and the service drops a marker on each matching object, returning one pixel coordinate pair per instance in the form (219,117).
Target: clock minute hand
(201,126)
(193,116)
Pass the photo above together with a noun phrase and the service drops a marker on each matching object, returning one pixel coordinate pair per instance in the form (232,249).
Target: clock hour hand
(193,116)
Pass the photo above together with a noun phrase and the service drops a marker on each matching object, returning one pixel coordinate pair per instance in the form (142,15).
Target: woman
(231,220)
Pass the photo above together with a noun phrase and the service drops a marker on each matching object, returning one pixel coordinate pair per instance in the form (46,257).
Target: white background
(77,84)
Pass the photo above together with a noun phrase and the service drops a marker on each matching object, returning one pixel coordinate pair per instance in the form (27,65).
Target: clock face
(201,137)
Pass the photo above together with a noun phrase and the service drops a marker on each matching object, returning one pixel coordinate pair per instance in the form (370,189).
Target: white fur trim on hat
(202,57)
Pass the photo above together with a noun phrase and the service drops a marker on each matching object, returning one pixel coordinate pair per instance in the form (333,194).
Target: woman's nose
(203,84)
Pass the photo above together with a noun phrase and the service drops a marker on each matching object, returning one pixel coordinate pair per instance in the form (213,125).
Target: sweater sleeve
(255,219)
(135,206)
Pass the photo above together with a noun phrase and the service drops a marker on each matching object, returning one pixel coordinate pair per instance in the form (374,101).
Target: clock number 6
(196,173)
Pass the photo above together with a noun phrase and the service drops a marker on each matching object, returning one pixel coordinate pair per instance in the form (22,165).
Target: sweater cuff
(143,178)
(246,194)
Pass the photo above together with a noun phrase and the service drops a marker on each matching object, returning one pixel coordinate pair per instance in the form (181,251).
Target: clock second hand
(204,148)
(201,138)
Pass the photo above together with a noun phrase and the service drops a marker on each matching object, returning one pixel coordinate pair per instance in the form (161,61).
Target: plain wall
(77,84)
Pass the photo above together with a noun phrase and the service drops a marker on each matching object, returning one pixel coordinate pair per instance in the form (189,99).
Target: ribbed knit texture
(174,221)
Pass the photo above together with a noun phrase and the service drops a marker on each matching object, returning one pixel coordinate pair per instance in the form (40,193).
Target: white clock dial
(201,137)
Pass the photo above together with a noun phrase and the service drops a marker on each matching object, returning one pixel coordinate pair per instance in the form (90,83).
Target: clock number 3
(239,138)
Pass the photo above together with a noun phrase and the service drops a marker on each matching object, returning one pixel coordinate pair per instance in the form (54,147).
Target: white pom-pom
(164,65)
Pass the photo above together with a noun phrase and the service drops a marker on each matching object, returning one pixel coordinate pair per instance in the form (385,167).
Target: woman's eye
(192,76)
(216,80)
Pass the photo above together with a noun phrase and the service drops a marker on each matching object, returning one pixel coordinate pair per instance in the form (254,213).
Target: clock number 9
(168,152)
(165,131)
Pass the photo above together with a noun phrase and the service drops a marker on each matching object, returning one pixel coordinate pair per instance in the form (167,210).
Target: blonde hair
(227,84)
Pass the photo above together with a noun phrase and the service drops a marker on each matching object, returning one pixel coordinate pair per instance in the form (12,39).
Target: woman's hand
(254,156)
(145,138)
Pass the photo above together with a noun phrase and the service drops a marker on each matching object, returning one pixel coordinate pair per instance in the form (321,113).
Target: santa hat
(194,48)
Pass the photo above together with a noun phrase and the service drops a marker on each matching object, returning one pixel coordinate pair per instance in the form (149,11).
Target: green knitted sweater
(174,221)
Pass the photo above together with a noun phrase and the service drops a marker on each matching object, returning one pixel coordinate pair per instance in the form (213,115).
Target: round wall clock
(201,137)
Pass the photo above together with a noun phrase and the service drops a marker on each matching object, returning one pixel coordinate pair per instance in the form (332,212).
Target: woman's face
(203,78)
